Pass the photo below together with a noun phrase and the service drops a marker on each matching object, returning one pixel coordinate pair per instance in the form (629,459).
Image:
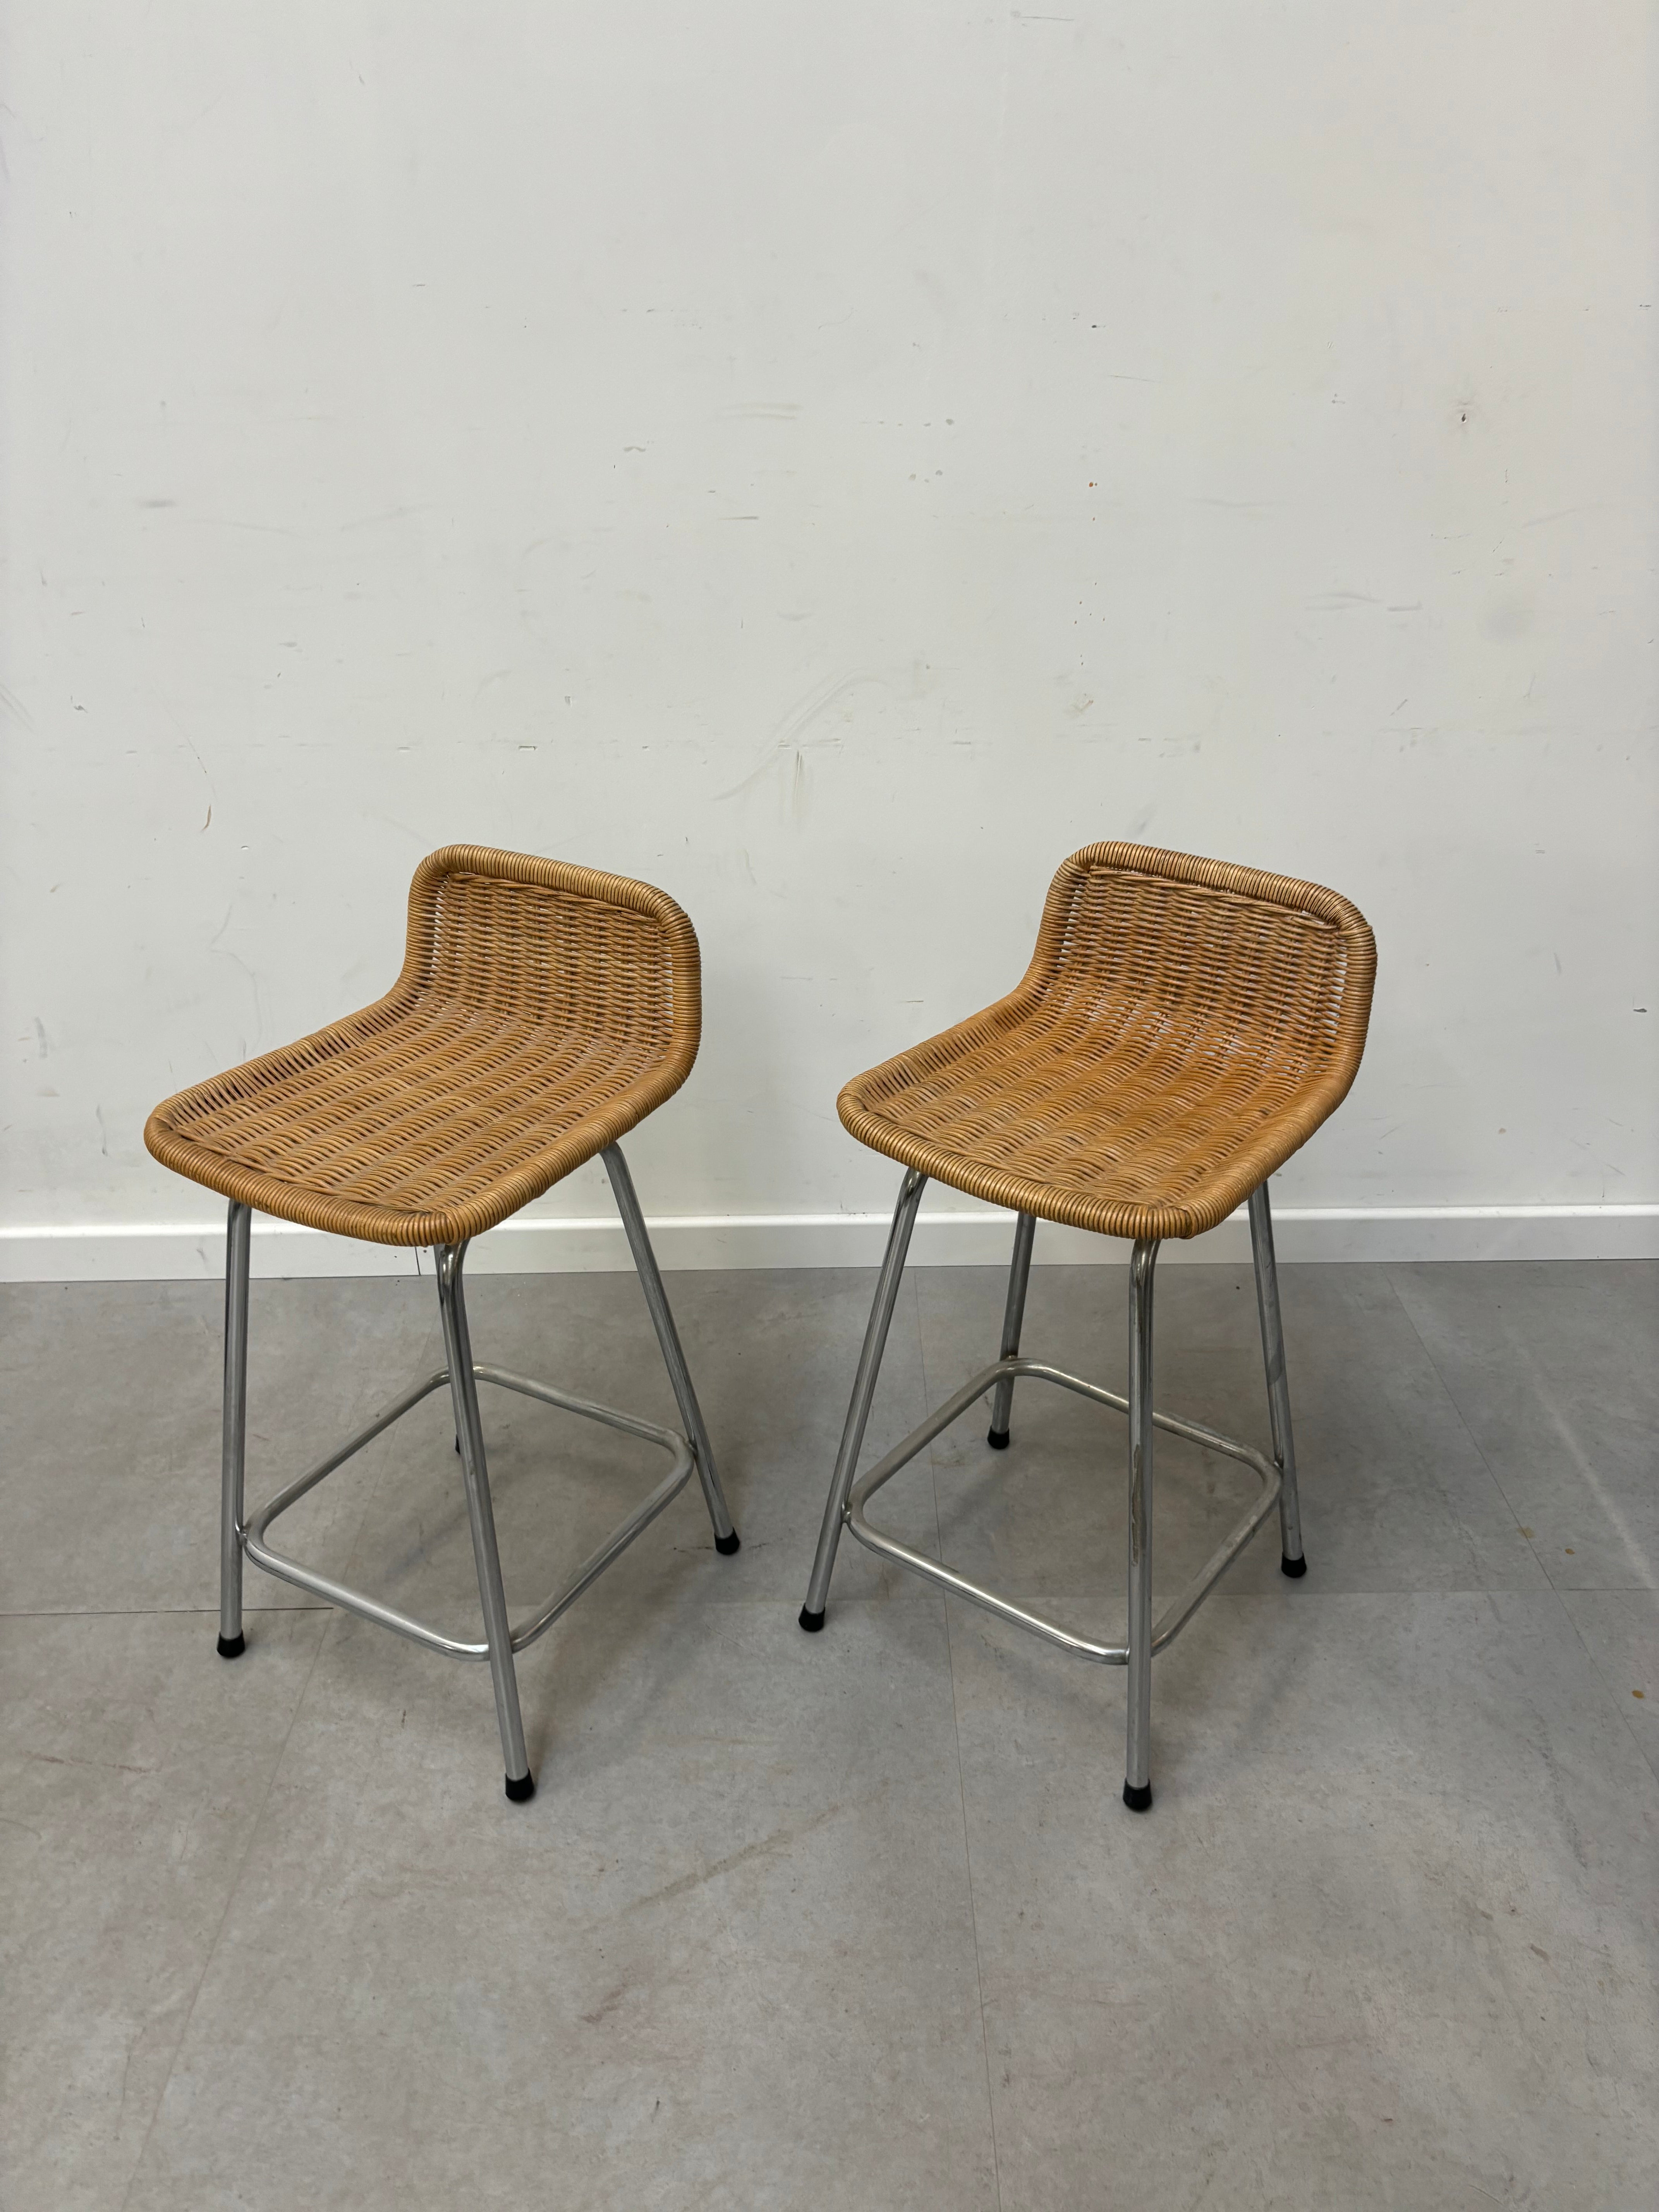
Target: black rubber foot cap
(811,1622)
(726,1545)
(457,1444)
(1294,1568)
(997,1439)
(1138,1801)
(524,1788)
(232,1647)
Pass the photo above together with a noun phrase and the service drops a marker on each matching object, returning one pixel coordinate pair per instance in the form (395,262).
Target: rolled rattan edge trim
(1013,1192)
(373,1224)
(1291,892)
(557,875)
(684,955)
(1214,1201)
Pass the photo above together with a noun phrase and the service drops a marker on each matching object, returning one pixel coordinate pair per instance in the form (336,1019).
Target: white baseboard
(194,1251)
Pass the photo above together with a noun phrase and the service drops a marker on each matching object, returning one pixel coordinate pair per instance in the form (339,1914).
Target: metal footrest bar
(536,1623)
(1174,1616)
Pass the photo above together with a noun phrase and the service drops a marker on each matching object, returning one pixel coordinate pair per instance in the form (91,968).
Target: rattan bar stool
(543,1010)
(1183,1027)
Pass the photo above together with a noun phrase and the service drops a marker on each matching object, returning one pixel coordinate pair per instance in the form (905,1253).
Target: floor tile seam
(1463,1424)
(231,1890)
(962,1785)
(144,1612)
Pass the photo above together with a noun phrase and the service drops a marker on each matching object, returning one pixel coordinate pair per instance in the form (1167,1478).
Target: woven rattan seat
(542,1011)
(1184,1026)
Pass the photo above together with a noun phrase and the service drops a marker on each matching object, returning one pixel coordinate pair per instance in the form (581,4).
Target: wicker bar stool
(543,1010)
(1183,1027)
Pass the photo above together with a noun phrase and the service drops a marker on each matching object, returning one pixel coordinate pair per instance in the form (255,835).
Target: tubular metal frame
(245,1535)
(1146,1637)
(1013,1320)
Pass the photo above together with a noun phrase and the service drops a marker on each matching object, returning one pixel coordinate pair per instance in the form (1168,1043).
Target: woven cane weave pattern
(1183,1027)
(542,1009)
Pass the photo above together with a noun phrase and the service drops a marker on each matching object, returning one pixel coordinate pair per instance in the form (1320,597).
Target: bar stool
(543,1010)
(1183,1027)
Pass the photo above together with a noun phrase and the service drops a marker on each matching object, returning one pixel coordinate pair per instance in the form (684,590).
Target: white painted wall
(833,462)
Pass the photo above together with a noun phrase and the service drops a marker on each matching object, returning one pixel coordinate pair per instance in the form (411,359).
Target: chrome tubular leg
(237,1227)
(662,1319)
(1278,1393)
(1019,1273)
(864,1389)
(464,1390)
(1137,1781)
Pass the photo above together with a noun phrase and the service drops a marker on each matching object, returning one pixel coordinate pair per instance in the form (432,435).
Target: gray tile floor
(856,1918)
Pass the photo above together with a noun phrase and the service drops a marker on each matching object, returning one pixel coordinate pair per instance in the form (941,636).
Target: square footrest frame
(544,1616)
(1174,1616)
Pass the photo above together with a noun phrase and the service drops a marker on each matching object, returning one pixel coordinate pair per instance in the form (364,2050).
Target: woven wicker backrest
(566,948)
(542,1011)
(1198,957)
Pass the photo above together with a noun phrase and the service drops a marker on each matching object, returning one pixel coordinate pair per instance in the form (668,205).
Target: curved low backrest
(1183,1026)
(541,1013)
(1208,961)
(567,948)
